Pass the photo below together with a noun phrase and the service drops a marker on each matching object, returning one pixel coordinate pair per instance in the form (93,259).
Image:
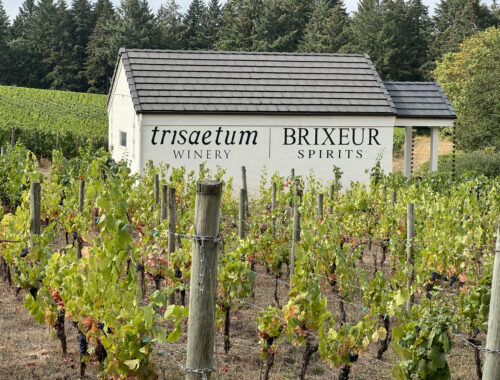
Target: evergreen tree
(326,30)
(84,23)
(98,68)
(213,20)
(195,37)
(4,30)
(282,24)
(169,21)
(238,25)
(135,27)
(61,65)
(456,20)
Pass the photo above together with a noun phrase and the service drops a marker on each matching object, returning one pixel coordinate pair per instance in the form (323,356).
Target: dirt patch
(421,152)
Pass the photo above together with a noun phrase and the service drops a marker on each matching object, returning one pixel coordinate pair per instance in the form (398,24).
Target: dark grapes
(453,280)
(178,273)
(82,342)
(353,357)
(138,267)
(24,252)
(434,276)
(33,291)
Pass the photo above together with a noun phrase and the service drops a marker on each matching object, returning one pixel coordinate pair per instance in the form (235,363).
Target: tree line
(51,44)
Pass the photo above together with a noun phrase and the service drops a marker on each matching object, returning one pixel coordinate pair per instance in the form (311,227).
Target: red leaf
(30,364)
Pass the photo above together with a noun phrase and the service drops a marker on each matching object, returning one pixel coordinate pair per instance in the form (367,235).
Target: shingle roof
(166,81)
(420,100)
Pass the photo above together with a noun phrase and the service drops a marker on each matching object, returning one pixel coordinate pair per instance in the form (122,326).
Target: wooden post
(3,151)
(273,206)
(77,145)
(330,208)
(172,221)
(244,182)
(157,190)
(492,359)
(241,216)
(58,138)
(81,199)
(320,206)
(35,141)
(295,237)
(164,203)
(35,201)
(13,136)
(408,151)
(201,320)
(410,250)
(394,198)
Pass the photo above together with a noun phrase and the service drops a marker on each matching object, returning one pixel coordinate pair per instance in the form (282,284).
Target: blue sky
(12,6)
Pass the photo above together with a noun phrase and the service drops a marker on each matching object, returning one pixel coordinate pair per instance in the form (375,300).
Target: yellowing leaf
(132,364)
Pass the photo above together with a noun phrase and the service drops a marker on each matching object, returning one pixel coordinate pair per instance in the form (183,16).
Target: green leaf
(174,335)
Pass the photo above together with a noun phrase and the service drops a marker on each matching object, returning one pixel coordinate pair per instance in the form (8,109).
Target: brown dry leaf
(86,252)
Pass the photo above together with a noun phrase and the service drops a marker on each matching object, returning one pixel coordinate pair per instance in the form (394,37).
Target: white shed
(273,110)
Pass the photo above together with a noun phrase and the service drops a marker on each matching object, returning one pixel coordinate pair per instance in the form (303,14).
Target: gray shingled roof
(420,100)
(163,81)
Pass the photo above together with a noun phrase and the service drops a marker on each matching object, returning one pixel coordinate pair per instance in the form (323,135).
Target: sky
(12,6)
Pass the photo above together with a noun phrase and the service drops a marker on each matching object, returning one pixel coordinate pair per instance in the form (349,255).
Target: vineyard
(39,116)
(312,280)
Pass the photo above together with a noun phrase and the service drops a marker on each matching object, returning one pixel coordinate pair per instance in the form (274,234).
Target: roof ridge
(227,52)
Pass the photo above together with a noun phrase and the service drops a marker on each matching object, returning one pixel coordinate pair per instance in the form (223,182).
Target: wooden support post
(13,136)
(35,202)
(172,221)
(77,145)
(157,190)
(81,199)
(410,251)
(492,359)
(330,208)
(35,141)
(273,206)
(433,164)
(164,203)
(201,320)
(408,151)
(58,140)
(244,182)
(3,150)
(241,216)
(295,237)
(320,206)
(394,198)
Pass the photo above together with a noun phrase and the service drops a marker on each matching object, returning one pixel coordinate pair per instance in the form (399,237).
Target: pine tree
(455,20)
(282,24)
(4,62)
(169,21)
(62,68)
(196,26)
(98,68)
(84,23)
(238,25)
(212,22)
(326,30)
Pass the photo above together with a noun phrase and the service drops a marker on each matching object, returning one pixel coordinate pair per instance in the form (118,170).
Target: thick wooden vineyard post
(273,206)
(157,190)
(164,203)
(13,136)
(201,321)
(410,251)
(394,198)
(172,221)
(492,359)
(244,182)
(241,215)
(330,208)
(35,202)
(81,199)
(320,206)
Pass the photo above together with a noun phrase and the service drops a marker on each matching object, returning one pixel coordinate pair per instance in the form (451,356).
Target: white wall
(271,149)
(122,117)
